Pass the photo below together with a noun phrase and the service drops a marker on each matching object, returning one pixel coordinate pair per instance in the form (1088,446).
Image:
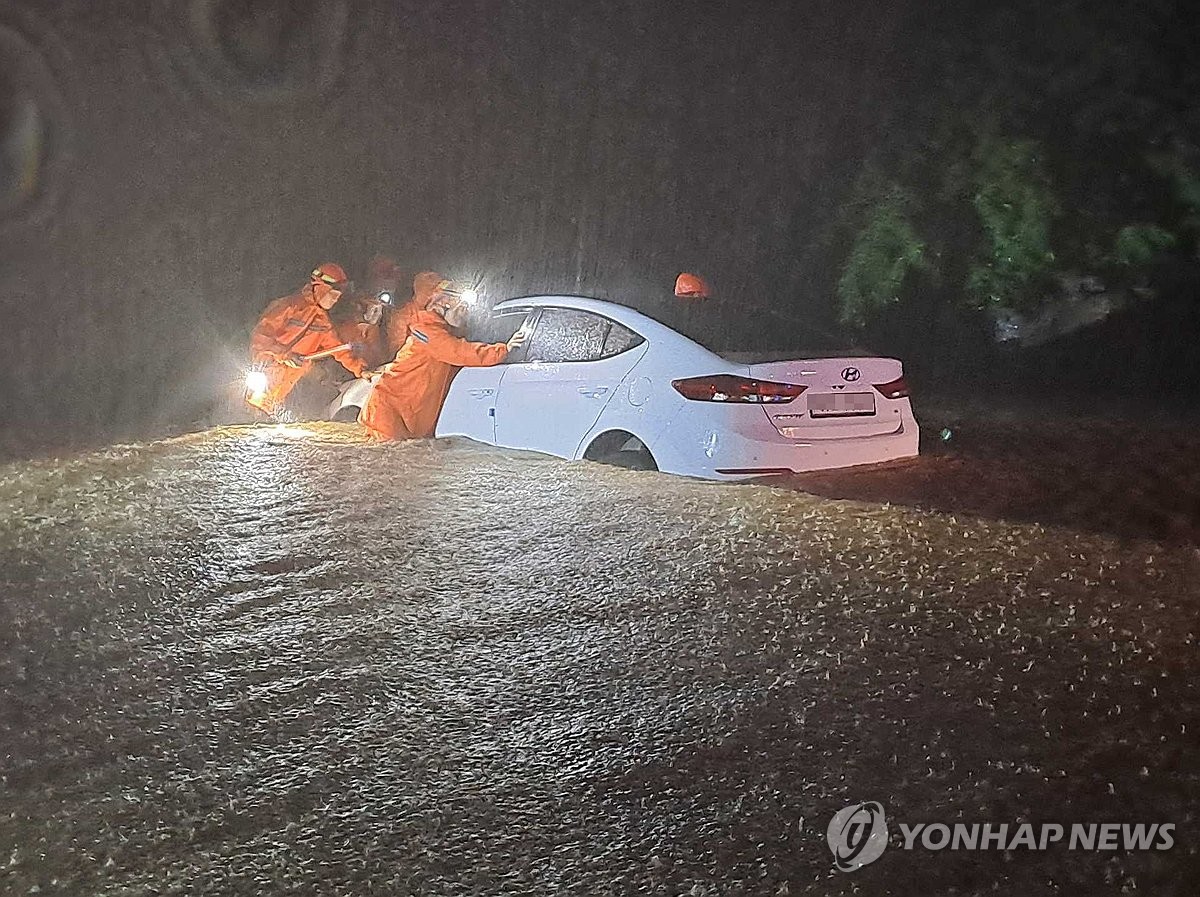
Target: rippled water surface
(282,660)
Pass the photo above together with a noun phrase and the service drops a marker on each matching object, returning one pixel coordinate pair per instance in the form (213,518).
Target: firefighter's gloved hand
(517,340)
(291,359)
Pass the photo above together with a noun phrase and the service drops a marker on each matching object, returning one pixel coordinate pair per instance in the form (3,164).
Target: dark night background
(167,168)
(258,660)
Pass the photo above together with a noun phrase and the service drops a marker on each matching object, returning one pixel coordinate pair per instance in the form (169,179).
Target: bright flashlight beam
(256,382)
(470,296)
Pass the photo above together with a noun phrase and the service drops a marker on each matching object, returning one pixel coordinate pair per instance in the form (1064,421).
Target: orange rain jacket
(408,396)
(400,320)
(293,324)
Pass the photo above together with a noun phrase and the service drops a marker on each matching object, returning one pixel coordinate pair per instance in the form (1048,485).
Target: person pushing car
(294,327)
(400,318)
(410,391)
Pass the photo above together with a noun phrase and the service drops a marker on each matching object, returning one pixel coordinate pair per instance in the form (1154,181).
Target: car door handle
(481,393)
(593,392)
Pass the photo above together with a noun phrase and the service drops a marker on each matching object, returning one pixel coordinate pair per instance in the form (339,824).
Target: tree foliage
(1016,207)
(1137,245)
(1034,140)
(885,252)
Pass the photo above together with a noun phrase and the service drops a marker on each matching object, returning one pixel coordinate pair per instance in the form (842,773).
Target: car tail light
(896,389)
(729,388)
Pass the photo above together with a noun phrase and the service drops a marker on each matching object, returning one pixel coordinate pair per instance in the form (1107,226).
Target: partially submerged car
(600,381)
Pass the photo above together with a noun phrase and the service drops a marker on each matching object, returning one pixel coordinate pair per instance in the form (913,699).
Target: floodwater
(284,661)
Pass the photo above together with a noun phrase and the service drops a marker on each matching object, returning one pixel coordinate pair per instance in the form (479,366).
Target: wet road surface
(283,661)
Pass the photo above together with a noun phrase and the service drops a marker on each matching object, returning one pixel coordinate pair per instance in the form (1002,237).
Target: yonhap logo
(857,835)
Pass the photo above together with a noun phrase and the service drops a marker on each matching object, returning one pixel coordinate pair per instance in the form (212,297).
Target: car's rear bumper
(747,452)
(766,460)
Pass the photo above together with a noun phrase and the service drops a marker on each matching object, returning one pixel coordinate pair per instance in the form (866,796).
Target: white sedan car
(603,382)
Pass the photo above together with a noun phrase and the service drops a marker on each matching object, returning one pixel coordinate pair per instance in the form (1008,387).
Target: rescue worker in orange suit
(383,279)
(691,286)
(692,315)
(359,321)
(296,326)
(363,319)
(409,394)
(425,285)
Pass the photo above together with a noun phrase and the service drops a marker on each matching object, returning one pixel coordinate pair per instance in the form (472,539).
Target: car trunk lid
(840,400)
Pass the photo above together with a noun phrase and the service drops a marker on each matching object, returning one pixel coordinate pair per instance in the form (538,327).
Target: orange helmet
(689,286)
(383,272)
(426,282)
(425,285)
(330,274)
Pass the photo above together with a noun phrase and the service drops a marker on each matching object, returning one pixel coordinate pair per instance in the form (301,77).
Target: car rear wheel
(621,449)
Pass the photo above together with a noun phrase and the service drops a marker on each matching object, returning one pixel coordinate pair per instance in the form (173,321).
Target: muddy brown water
(281,660)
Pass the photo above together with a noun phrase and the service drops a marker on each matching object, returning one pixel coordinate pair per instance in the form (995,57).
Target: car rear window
(620,339)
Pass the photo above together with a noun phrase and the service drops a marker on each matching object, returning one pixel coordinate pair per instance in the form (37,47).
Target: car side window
(620,339)
(565,334)
(508,323)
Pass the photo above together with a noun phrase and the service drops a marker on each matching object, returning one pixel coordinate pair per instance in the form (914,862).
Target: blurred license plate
(841,404)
